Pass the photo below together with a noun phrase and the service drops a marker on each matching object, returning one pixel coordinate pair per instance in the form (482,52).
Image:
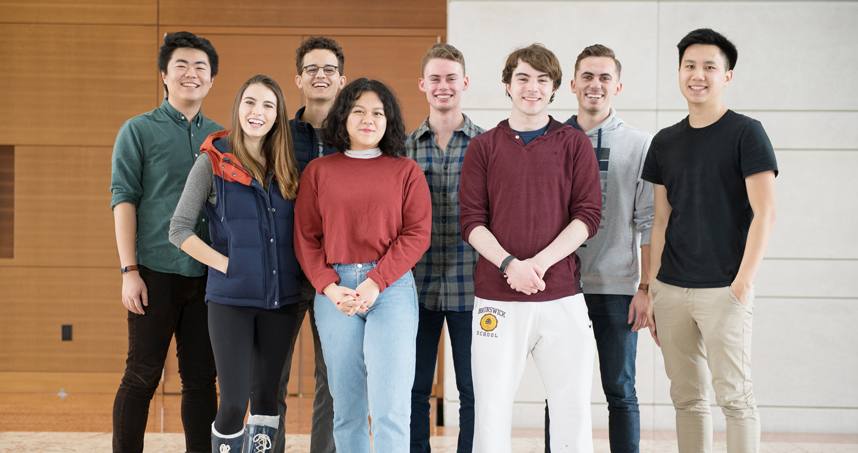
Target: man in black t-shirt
(714,180)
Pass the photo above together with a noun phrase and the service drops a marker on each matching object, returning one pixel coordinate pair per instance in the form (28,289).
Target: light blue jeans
(370,358)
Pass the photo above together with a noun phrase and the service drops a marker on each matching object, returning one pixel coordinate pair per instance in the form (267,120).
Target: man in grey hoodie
(610,273)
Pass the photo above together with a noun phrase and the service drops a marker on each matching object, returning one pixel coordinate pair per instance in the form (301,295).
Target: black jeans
(617,346)
(428,336)
(322,428)
(176,305)
(250,346)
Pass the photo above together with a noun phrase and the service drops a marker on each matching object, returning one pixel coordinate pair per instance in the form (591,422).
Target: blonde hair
(445,52)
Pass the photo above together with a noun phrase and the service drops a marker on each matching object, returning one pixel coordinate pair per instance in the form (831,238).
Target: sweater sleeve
(473,190)
(415,238)
(644,199)
(309,235)
(586,202)
(198,189)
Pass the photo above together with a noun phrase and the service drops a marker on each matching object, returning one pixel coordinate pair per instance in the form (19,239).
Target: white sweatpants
(560,337)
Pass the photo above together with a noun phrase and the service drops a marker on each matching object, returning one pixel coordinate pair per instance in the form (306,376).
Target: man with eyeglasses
(319,61)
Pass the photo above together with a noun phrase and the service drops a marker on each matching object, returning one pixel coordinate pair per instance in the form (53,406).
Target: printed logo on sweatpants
(489,321)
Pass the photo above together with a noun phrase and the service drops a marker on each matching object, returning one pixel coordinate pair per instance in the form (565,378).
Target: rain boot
(227,444)
(260,433)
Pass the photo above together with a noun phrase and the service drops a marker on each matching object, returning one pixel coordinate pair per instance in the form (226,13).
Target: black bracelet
(505,263)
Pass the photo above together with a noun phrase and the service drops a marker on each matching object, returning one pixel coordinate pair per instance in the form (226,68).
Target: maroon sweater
(527,195)
(360,210)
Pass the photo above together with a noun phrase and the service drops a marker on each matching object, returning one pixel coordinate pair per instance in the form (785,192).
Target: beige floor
(49,442)
(82,423)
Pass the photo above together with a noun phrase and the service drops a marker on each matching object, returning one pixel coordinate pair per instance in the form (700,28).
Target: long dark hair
(276,148)
(334,129)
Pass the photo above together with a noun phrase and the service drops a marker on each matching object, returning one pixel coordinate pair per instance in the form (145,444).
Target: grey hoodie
(609,260)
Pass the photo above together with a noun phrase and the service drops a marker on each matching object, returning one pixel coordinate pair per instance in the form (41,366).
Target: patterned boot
(227,444)
(260,433)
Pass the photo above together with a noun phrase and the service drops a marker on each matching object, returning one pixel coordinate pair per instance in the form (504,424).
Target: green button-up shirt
(152,156)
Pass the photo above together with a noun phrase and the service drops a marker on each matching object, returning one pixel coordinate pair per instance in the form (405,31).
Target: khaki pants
(702,331)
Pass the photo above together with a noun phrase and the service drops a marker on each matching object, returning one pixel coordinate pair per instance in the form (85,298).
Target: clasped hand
(350,301)
(525,276)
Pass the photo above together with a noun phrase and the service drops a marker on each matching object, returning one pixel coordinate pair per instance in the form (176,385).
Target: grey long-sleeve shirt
(199,188)
(609,260)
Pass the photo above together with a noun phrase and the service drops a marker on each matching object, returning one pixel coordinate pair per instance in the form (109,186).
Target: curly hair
(319,42)
(335,133)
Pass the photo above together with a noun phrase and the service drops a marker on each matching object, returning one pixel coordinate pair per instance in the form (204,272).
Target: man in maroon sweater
(529,196)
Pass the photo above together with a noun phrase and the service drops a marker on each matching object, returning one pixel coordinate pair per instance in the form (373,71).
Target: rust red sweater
(360,210)
(527,195)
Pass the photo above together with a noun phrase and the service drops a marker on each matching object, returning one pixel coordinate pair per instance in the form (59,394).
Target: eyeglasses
(312,70)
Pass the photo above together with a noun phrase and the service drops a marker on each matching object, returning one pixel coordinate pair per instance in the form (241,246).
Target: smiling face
(703,75)
(530,90)
(366,122)
(188,77)
(443,82)
(257,112)
(320,87)
(595,85)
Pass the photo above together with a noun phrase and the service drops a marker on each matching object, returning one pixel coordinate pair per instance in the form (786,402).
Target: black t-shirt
(704,171)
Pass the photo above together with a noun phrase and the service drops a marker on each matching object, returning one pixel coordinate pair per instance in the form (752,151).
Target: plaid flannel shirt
(445,274)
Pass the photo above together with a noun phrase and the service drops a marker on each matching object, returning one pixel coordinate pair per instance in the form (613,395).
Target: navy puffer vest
(253,227)
(306,142)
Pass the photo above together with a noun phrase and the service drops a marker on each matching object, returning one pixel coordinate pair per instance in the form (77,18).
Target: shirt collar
(298,116)
(573,121)
(178,116)
(468,128)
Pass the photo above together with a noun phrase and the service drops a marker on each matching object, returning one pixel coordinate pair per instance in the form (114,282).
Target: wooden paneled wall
(7,201)
(73,71)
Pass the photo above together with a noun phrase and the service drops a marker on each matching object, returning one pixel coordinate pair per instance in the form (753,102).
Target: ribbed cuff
(230,436)
(270,421)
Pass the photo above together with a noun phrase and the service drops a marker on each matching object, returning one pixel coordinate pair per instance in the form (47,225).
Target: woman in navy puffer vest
(247,178)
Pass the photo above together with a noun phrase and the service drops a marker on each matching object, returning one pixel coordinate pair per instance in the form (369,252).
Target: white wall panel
(811,420)
(794,130)
(790,76)
(486,32)
(799,352)
(779,420)
(783,48)
(790,278)
(815,216)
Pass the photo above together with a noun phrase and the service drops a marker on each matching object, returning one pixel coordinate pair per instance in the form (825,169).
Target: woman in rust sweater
(362,220)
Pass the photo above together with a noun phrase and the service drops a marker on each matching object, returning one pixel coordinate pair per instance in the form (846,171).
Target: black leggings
(250,347)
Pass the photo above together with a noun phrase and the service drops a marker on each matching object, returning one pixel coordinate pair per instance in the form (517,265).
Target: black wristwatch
(505,263)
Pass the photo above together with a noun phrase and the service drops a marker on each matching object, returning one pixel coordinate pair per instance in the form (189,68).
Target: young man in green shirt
(163,288)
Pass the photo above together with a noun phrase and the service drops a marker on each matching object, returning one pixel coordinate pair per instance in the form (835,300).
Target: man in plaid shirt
(445,274)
